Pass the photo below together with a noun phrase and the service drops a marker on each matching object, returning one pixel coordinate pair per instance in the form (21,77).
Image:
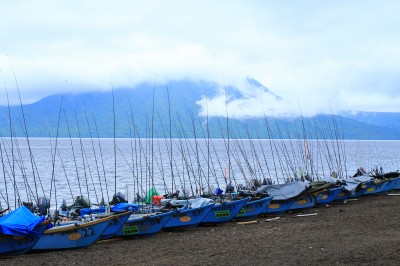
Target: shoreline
(361,232)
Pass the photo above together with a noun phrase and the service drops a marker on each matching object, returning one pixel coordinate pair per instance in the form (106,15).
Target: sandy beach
(361,232)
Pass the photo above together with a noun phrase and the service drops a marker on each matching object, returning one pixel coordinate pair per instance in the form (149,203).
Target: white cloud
(319,56)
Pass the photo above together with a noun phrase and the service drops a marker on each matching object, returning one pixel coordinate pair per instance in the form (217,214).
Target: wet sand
(361,232)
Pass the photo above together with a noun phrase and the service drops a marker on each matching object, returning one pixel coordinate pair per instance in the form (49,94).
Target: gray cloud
(320,56)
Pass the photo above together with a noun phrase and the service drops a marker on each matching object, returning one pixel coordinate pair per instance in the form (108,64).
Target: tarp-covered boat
(287,196)
(20,230)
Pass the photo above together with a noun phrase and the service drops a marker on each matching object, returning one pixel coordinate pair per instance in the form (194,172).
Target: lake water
(89,167)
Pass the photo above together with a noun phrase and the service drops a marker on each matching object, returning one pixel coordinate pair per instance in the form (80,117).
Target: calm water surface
(97,168)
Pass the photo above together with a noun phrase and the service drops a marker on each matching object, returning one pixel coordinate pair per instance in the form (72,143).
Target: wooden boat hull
(115,225)
(144,225)
(188,218)
(253,208)
(15,245)
(224,212)
(72,236)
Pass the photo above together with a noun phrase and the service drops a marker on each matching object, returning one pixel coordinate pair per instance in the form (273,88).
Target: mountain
(146,109)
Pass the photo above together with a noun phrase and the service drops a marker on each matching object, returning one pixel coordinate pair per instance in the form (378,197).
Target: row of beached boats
(79,225)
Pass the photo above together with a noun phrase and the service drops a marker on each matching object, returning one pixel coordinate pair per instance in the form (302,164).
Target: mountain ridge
(91,114)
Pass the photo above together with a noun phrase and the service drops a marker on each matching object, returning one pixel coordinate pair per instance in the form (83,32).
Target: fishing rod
(181,148)
(136,133)
(290,163)
(26,135)
(86,164)
(53,161)
(170,141)
(208,159)
(254,153)
(114,130)
(295,159)
(95,157)
(273,146)
(227,135)
(199,169)
(240,145)
(82,154)
(17,195)
(11,134)
(133,151)
(159,151)
(101,155)
(20,163)
(7,200)
(73,154)
(265,181)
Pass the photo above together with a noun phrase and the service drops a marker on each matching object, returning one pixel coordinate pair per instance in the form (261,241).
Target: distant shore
(361,232)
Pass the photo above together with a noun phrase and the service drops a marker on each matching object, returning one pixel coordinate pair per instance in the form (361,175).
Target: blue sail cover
(20,222)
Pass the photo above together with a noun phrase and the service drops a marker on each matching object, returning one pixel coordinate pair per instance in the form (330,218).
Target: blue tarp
(20,222)
(123,206)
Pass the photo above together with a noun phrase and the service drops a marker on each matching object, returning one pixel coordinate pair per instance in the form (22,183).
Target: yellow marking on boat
(302,202)
(18,237)
(74,236)
(324,197)
(185,219)
(274,205)
(370,189)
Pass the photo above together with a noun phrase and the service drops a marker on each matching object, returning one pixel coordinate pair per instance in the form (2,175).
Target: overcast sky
(320,56)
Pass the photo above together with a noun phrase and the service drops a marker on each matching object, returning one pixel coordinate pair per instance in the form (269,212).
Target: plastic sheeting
(123,206)
(189,203)
(285,191)
(20,222)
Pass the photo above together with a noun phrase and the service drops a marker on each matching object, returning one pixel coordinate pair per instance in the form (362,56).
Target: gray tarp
(351,184)
(363,178)
(284,191)
(192,203)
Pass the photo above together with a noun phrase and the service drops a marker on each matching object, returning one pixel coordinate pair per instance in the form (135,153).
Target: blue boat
(71,236)
(353,188)
(379,186)
(253,208)
(188,218)
(144,224)
(20,230)
(121,213)
(224,212)
(303,202)
(396,184)
(115,225)
(278,206)
(287,196)
(328,195)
